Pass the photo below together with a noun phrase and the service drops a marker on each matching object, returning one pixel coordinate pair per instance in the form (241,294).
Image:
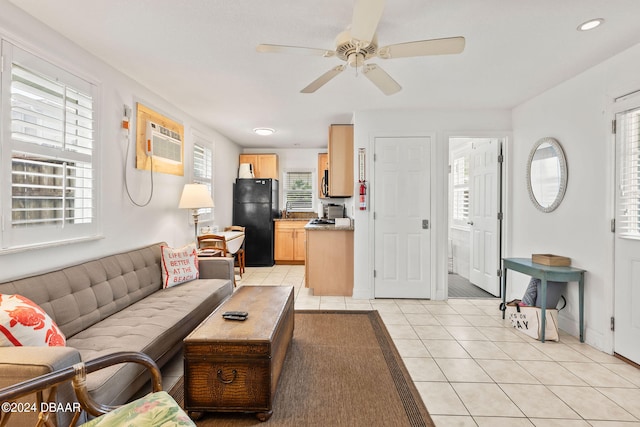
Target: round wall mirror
(547,174)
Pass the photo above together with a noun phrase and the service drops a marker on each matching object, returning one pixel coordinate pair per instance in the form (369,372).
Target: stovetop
(316,221)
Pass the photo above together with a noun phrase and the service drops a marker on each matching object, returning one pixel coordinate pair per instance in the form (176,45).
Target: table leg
(581,305)
(504,292)
(543,308)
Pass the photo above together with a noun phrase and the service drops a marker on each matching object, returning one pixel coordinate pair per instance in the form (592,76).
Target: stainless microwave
(325,183)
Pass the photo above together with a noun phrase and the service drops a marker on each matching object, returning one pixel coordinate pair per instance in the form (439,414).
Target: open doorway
(475,217)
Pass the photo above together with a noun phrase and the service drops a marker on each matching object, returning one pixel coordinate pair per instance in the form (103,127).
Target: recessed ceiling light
(264,131)
(590,24)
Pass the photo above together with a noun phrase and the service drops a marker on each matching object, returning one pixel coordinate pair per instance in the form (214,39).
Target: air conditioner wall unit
(163,143)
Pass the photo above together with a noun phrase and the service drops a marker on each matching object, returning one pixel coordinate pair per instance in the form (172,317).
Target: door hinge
(500,158)
(374,215)
(375,157)
(613,323)
(613,225)
(374,273)
(500,216)
(614,126)
(499,272)
(1,64)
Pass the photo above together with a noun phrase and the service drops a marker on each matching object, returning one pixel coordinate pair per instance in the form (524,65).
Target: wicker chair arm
(77,374)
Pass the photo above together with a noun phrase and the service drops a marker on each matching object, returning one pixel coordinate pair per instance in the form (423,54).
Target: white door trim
(436,222)
(619,105)
(506,137)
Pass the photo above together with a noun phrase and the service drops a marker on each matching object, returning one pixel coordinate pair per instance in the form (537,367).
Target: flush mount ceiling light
(263,131)
(590,24)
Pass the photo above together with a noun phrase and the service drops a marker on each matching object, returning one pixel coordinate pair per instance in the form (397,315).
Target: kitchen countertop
(293,219)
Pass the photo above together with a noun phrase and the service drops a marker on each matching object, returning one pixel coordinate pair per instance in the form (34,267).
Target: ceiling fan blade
(366,16)
(445,46)
(323,79)
(274,48)
(380,78)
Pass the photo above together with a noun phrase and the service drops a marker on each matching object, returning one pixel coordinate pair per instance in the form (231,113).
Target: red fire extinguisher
(363,195)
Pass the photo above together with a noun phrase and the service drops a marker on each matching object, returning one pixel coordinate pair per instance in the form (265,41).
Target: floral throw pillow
(154,409)
(24,323)
(179,265)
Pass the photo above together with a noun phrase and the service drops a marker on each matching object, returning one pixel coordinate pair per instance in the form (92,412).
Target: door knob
(425,224)
(470,222)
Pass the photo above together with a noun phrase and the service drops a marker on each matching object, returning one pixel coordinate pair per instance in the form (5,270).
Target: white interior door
(627,236)
(402,233)
(483,215)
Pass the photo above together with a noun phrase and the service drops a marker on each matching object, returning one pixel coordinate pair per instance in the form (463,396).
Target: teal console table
(545,273)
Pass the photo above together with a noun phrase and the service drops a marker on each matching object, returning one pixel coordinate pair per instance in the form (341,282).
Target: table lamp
(195,196)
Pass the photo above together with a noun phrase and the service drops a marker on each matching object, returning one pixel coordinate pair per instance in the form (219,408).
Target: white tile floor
(473,369)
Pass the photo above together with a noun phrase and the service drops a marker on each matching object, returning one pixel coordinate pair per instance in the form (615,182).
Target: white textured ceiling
(201,55)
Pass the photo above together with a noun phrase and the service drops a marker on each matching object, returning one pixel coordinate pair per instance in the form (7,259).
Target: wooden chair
(212,241)
(218,242)
(239,256)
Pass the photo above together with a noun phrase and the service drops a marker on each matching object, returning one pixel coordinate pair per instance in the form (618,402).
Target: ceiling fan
(358,44)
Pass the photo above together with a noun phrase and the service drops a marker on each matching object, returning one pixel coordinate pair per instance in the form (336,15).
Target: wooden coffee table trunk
(234,366)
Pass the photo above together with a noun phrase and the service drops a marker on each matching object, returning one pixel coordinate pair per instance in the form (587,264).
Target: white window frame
(73,143)
(460,187)
(287,190)
(203,171)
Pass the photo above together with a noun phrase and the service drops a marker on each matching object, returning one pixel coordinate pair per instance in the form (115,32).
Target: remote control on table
(236,313)
(232,317)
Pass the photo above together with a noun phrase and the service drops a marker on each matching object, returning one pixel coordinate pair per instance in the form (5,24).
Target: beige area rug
(342,369)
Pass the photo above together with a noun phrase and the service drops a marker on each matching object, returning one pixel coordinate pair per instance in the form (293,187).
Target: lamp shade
(195,196)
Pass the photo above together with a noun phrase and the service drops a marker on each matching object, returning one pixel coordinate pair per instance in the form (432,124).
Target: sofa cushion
(79,296)
(24,323)
(151,326)
(179,265)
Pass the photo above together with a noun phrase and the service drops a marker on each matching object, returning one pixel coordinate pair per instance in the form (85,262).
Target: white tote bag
(528,320)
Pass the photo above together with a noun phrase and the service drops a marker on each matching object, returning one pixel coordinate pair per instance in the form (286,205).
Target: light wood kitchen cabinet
(323,165)
(290,242)
(264,165)
(300,244)
(329,264)
(341,160)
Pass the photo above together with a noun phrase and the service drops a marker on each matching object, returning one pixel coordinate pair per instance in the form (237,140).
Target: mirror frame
(563,174)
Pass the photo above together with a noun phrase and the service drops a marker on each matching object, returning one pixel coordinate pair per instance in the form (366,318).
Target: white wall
(435,123)
(124,226)
(577,114)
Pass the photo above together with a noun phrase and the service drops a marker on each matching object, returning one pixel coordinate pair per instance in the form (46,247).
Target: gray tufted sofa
(115,303)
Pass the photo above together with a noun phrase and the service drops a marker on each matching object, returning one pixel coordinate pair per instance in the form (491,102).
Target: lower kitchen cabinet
(329,264)
(290,242)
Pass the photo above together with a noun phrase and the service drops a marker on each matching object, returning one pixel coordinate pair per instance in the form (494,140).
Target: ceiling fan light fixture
(590,24)
(264,131)
(356,60)
(359,43)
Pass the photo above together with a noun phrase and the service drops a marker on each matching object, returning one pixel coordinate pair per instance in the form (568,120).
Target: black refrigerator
(255,205)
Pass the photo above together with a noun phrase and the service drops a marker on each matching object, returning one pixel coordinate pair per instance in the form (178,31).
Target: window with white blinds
(460,181)
(203,172)
(48,143)
(298,191)
(628,224)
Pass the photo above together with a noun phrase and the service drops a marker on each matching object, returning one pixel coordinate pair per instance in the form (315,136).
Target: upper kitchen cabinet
(341,160)
(264,165)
